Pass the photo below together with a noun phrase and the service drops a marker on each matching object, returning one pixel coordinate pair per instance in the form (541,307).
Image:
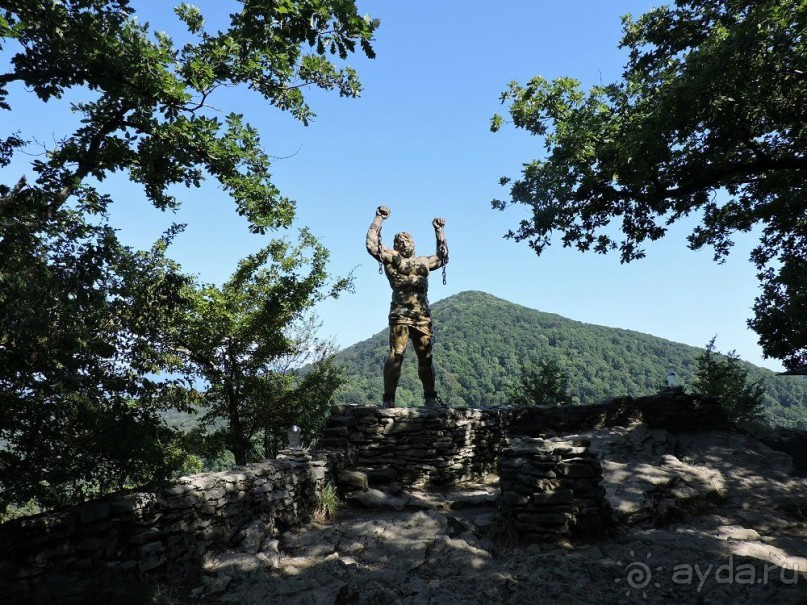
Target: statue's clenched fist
(383,212)
(439,223)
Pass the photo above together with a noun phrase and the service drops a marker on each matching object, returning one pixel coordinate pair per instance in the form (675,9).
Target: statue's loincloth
(410,302)
(415,317)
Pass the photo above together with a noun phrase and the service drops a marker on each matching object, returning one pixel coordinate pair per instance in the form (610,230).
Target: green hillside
(481,343)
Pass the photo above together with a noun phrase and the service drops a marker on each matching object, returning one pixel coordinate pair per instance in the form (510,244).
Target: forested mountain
(482,343)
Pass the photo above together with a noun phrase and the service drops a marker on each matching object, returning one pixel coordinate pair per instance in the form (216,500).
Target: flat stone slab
(473,496)
(376,499)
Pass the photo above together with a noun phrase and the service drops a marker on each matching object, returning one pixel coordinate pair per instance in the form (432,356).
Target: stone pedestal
(550,488)
(416,447)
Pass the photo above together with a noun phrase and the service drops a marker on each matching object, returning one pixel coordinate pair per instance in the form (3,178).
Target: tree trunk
(238,443)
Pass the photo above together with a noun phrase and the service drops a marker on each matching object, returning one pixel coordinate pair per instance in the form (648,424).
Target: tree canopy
(726,378)
(81,324)
(87,364)
(708,119)
(148,104)
(543,384)
(246,339)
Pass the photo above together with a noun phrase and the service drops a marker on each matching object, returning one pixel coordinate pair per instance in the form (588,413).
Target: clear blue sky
(418,140)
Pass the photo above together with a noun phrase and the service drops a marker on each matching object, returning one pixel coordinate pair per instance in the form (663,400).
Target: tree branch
(88,162)
(714,177)
(199,359)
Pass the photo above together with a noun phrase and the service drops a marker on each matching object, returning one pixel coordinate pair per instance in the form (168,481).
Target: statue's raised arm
(440,258)
(373,241)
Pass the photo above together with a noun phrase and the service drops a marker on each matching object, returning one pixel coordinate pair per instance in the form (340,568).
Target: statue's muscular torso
(409,280)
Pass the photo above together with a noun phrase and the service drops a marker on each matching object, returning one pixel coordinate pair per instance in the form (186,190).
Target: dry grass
(329,504)
(504,532)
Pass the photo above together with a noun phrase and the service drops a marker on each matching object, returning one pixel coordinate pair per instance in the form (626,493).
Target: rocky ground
(708,518)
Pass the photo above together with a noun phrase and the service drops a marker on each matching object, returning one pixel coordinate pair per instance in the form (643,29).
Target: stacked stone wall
(418,446)
(116,548)
(671,409)
(550,488)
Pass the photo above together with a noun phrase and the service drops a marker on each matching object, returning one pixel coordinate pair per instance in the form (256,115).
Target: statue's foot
(389,400)
(432,400)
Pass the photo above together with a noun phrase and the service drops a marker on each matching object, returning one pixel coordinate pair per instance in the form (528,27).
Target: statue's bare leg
(398,339)
(423,348)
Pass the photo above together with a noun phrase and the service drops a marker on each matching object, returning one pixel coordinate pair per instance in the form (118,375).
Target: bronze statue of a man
(409,315)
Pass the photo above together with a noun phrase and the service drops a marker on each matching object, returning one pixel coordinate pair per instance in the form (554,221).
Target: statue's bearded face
(404,245)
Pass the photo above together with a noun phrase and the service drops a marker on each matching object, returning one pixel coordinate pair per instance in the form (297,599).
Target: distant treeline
(483,342)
